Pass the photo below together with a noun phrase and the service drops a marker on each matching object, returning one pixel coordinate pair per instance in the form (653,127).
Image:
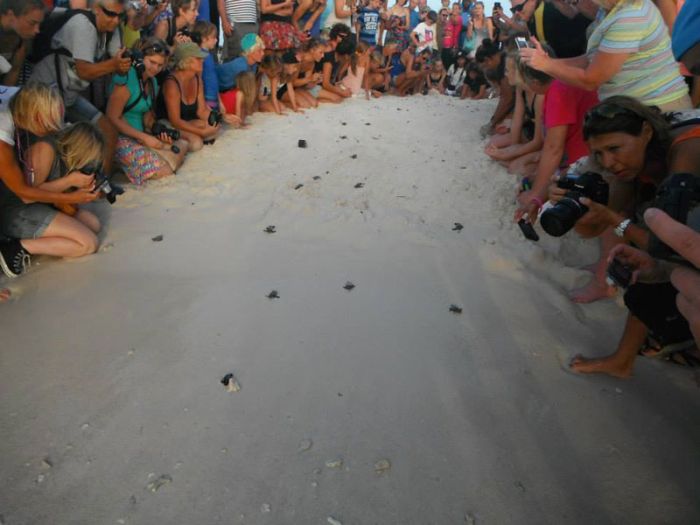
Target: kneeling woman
(53,161)
(131,110)
(182,98)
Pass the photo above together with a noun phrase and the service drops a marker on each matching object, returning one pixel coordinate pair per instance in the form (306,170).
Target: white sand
(110,366)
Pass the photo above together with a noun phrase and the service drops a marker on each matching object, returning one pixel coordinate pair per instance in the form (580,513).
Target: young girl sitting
(436,78)
(55,162)
(475,84)
(130,109)
(273,84)
(456,75)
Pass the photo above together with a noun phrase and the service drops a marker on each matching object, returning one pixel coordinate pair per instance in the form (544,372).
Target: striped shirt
(650,74)
(242,11)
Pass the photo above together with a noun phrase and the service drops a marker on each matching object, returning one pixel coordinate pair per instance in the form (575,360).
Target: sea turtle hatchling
(274,294)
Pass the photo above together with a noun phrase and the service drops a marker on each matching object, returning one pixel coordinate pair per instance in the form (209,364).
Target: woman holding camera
(54,161)
(175,30)
(616,131)
(131,110)
(183,103)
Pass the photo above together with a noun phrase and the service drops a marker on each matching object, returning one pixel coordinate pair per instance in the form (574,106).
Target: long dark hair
(620,114)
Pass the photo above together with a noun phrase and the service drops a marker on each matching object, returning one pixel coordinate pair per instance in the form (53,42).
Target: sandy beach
(369,405)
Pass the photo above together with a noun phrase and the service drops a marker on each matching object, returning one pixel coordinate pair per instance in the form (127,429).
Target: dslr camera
(154,3)
(102,184)
(561,217)
(136,57)
(157,129)
(679,197)
(215,118)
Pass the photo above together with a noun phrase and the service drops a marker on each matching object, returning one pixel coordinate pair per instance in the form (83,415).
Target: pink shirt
(565,105)
(450,32)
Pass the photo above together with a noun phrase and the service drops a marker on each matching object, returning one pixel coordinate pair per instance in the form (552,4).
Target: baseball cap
(188,50)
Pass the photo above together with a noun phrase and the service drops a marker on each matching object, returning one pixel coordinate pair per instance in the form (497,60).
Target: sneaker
(14,259)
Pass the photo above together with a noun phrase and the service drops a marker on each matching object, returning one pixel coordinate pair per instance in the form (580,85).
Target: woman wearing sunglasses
(131,110)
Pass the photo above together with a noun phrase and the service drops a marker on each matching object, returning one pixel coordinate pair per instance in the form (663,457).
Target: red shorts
(228,98)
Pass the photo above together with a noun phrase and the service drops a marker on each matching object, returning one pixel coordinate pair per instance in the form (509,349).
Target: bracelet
(537,201)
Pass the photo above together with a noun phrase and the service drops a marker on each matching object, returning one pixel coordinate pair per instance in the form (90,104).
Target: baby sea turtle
(298,186)
(157,238)
(455,309)
(343,137)
(316,177)
(301,143)
(458,227)
(349,286)
(274,294)
(359,185)
(230,382)
(353,156)
(270,229)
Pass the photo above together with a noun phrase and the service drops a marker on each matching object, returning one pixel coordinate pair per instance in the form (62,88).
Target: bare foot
(5,295)
(611,365)
(593,291)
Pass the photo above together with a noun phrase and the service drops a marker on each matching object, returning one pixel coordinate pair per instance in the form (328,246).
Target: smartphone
(619,274)
(520,42)
(528,230)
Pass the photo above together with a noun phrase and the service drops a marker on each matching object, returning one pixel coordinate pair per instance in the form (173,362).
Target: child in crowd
(55,161)
(456,75)
(356,71)
(330,68)
(290,72)
(475,84)
(131,110)
(273,85)
(368,22)
(424,36)
(436,77)
(204,33)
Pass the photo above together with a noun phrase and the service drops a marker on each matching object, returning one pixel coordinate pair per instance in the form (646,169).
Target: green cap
(188,50)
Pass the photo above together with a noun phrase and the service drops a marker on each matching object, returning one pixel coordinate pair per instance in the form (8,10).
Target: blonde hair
(80,145)
(248,86)
(37,108)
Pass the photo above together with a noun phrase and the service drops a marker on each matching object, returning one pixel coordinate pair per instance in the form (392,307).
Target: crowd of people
(590,114)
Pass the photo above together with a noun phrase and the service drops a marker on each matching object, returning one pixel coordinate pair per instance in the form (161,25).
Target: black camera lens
(560,218)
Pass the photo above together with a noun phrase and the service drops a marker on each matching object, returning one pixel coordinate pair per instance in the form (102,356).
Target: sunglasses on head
(606,111)
(110,14)
(156,49)
(517,8)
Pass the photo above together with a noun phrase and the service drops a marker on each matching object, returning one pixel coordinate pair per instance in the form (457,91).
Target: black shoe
(14,259)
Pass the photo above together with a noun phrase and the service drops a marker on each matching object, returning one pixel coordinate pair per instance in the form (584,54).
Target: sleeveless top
(187,111)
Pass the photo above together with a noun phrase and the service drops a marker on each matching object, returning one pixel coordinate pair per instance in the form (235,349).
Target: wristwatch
(621,228)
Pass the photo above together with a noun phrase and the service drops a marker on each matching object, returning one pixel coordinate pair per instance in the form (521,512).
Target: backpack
(52,24)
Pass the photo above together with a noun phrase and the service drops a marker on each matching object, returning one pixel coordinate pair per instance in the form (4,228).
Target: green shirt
(138,103)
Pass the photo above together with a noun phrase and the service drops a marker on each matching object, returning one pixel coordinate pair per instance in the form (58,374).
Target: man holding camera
(86,47)
(19,24)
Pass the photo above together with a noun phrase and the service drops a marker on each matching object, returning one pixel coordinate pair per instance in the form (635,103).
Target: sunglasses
(606,111)
(156,49)
(517,8)
(110,14)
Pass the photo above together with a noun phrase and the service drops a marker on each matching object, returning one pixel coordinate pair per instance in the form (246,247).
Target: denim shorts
(26,221)
(82,111)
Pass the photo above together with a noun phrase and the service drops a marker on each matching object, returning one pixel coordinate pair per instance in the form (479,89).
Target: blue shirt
(204,13)
(369,25)
(228,71)
(211,81)
(415,19)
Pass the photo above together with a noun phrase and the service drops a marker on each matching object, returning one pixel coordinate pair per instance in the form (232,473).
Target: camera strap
(142,95)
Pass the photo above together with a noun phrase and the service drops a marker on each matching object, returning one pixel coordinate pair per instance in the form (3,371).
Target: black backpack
(51,25)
